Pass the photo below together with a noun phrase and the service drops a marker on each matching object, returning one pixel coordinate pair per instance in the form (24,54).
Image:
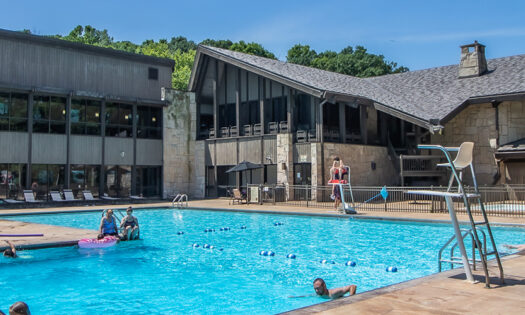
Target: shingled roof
(429,95)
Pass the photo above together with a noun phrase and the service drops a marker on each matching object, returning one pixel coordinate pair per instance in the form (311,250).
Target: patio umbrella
(244,166)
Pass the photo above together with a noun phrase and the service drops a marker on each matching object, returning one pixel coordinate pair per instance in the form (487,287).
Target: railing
(499,200)
(180,201)
(420,166)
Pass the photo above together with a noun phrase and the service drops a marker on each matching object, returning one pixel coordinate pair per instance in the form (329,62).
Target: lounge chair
(29,197)
(88,195)
(55,196)
(136,197)
(106,197)
(12,201)
(68,195)
(238,197)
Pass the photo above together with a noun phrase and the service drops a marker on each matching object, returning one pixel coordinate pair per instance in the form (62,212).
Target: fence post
(306,196)
(432,200)
(385,203)
(274,192)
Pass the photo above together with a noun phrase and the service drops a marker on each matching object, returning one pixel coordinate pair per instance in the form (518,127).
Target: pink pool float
(107,241)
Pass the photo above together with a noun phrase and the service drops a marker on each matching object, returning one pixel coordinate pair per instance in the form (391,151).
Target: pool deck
(443,293)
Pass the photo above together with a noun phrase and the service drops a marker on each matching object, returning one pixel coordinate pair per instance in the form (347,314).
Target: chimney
(473,62)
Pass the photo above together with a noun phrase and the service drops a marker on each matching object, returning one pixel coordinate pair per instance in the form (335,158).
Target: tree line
(351,61)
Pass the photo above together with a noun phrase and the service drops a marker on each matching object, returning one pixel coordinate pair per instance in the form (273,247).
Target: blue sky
(416,34)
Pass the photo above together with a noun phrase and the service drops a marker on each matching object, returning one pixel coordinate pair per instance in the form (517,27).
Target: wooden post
(238,101)
(342,122)
(261,94)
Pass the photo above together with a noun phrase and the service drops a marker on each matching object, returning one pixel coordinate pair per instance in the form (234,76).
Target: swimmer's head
(129,210)
(336,158)
(320,287)
(9,253)
(19,308)
(109,213)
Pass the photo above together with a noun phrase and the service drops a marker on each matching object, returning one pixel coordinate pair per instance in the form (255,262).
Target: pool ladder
(180,201)
(457,260)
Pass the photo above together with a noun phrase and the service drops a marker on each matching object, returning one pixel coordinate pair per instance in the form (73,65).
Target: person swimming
(11,251)
(322,291)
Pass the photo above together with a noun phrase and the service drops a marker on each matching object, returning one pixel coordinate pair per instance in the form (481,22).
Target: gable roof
(431,95)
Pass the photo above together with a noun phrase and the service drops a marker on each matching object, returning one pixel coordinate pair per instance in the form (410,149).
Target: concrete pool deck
(443,293)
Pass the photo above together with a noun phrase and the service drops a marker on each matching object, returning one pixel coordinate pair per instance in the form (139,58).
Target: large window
(149,122)
(13,112)
(85,117)
(45,178)
(119,120)
(85,177)
(12,181)
(49,114)
(148,180)
(117,180)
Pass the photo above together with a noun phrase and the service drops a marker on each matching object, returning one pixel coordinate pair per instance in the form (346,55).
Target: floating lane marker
(243,227)
(350,263)
(180,233)
(209,230)
(324,261)
(291,256)
(266,253)
(391,269)
(195,245)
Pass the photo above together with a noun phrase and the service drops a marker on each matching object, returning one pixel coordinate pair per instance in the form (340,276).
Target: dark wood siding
(31,64)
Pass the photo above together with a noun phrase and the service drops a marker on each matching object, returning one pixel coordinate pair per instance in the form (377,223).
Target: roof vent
(473,62)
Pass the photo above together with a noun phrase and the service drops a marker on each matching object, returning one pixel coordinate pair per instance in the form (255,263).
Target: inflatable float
(107,241)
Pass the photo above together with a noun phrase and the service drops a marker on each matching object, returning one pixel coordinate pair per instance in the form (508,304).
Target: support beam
(363,123)
(238,101)
(103,159)
(261,93)
(216,100)
(67,174)
(342,122)
(134,166)
(29,139)
(290,110)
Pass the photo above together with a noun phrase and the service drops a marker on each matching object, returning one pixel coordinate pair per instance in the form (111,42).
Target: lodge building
(79,116)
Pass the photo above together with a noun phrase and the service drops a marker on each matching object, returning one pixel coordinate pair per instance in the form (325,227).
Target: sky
(416,34)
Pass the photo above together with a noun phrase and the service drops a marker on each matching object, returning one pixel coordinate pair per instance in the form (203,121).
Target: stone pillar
(184,166)
(285,161)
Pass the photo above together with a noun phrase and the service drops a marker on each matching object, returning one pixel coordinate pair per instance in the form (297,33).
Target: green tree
(181,43)
(301,55)
(241,46)
(356,62)
(89,35)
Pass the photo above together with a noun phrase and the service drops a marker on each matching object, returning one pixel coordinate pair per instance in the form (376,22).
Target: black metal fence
(498,200)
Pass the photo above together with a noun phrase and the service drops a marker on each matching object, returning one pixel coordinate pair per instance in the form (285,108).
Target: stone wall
(285,161)
(477,123)
(184,167)
(360,158)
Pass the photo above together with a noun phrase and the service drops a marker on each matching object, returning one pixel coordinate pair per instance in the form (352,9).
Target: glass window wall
(149,122)
(13,112)
(119,120)
(117,180)
(85,117)
(148,180)
(12,181)
(49,114)
(85,177)
(45,178)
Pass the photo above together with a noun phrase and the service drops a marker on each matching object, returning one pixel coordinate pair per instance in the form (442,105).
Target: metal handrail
(181,200)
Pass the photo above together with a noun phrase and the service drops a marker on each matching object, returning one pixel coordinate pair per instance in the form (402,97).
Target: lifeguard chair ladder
(482,250)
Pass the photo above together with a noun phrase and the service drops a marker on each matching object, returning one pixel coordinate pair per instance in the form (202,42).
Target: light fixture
(63,112)
(126,117)
(97,115)
(153,119)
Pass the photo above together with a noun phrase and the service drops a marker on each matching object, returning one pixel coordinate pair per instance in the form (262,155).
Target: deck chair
(88,195)
(12,201)
(135,197)
(29,197)
(68,194)
(461,162)
(106,197)
(238,197)
(55,196)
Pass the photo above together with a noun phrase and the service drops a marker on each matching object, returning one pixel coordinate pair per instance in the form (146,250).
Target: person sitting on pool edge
(10,252)
(130,226)
(108,225)
(321,290)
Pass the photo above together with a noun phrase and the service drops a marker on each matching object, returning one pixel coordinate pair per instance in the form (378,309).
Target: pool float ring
(337,181)
(107,241)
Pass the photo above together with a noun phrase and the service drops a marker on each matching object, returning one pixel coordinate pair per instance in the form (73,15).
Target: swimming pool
(164,273)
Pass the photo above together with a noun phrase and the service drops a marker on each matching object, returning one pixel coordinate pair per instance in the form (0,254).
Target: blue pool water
(164,274)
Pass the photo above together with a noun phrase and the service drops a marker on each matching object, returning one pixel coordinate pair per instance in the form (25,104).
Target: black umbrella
(244,166)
